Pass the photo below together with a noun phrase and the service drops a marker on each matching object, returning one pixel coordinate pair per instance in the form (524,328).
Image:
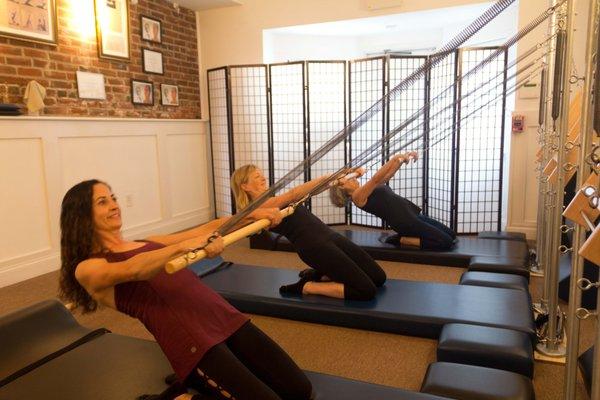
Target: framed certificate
(112,29)
(90,86)
(152,61)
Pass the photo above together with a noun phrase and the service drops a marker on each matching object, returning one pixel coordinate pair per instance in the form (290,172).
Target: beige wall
(233,35)
(158,168)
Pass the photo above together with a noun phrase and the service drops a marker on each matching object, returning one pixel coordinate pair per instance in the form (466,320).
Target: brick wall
(55,66)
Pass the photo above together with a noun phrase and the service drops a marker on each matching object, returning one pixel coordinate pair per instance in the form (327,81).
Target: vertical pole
(579,233)
(425,156)
(545,223)
(595,392)
(230,129)
(541,228)
(589,118)
(585,144)
(551,345)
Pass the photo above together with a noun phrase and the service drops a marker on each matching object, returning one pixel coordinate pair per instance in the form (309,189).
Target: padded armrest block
(468,382)
(406,307)
(487,347)
(500,265)
(586,366)
(44,327)
(518,236)
(110,366)
(491,279)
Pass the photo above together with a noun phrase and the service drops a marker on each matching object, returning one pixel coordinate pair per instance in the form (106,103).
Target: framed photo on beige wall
(112,29)
(33,20)
(169,95)
(151,29)
(142,92)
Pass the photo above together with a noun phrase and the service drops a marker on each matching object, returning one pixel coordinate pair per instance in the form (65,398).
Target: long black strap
(25,370)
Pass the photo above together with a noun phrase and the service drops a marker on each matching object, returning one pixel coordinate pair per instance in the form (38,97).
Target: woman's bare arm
(294,194)
(383,175)
(97,274)
(202,230)
(209,228)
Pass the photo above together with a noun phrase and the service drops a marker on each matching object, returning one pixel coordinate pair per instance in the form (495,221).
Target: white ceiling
(200,5)
(411,21)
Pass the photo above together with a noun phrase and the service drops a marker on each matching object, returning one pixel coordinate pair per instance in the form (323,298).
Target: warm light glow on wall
(82,18)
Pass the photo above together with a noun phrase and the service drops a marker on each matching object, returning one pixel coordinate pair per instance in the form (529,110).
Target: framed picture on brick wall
(33,20)
(112,29)
(169,95)
(142,92)
(152,61)
(151,29)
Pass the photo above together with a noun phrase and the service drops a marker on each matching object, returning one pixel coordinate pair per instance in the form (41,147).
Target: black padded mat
(59,329)
(405,307)
(373,243)
(110,367)
(116,367)
(334,388)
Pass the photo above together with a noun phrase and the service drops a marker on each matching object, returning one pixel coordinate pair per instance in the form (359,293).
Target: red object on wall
(518,123)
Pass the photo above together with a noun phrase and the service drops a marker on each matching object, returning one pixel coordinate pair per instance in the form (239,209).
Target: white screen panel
(327,107)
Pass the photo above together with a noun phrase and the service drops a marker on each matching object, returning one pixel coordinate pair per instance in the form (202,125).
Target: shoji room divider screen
(275,115)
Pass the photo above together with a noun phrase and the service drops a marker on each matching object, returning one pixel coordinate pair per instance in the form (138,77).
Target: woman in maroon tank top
(210,345)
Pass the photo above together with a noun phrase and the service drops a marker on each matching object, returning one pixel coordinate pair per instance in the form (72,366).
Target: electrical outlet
(129,200)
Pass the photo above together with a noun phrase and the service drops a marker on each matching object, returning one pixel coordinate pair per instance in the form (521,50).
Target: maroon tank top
(185,316)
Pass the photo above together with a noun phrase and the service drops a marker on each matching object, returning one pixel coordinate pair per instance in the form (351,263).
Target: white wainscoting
(523,178)
(159,169)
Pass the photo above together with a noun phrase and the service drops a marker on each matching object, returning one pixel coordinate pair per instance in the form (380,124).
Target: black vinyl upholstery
(517,236)
(499,265)
(373,242)
(487,347)
(404,307)
(490,279)
(115,367)
(108,367)
(468,382)
(335,388)
(59,329)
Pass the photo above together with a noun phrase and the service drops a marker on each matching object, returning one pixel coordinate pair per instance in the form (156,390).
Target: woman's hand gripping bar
(183,261)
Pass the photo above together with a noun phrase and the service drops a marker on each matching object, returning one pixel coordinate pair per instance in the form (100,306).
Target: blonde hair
(238,178)
(338,196)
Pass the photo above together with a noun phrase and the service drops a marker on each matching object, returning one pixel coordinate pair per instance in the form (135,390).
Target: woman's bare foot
(407,241)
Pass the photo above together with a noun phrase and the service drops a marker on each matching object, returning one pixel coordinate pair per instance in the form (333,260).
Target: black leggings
(345,262)
(249,365)
(433,234)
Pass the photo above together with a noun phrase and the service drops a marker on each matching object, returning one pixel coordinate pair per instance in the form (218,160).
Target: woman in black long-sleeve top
(352,272)
(413,228)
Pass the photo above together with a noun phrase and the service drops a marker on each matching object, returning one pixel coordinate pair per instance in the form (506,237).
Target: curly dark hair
(76,242)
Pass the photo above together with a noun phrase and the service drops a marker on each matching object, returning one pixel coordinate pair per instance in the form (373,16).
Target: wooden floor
(381,358)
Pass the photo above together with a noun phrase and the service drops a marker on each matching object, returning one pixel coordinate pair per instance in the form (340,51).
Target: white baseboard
(30,269)
(49,262)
